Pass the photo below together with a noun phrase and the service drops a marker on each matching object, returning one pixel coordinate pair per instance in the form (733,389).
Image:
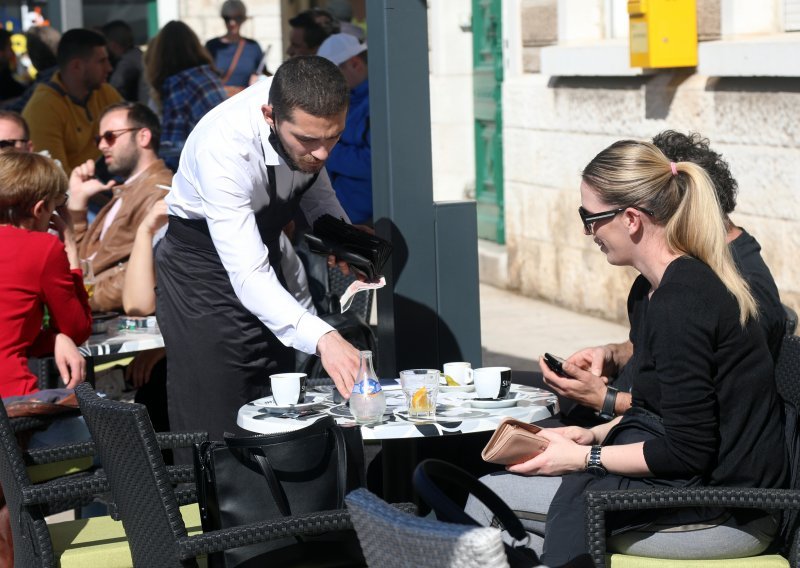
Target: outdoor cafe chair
(145,499)
(392,538)
(41,482)
(598,503)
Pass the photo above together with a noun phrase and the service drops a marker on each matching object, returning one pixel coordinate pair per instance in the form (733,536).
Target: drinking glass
(420,386)
(88,276)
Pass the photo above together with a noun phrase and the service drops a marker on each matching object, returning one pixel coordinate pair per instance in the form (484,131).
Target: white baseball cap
(338,48)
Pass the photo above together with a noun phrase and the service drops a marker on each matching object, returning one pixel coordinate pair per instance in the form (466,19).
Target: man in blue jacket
(350,163)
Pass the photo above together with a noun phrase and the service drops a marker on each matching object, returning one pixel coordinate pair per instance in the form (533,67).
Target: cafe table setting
(459,409)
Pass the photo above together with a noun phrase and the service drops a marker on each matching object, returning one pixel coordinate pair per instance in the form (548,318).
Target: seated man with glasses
(129,141)
(14,132)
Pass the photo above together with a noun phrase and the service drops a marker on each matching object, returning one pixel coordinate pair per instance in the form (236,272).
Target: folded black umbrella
(366,253)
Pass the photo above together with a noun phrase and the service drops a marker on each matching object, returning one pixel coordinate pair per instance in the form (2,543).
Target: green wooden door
(487,57)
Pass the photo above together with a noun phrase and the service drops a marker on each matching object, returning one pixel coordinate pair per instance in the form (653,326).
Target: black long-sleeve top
(710,380)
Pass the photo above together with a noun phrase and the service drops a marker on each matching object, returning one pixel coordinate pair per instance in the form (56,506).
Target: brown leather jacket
(111,258)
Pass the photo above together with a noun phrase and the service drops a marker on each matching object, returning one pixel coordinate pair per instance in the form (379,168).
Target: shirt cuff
(310,329)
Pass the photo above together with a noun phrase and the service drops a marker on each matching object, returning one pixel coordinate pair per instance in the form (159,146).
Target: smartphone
(556,365)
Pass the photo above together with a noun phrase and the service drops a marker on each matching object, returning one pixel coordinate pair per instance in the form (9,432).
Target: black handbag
(447,510)
(255,478)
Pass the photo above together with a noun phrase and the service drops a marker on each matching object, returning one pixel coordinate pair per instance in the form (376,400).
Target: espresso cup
(288,388)
(492,382)
(460,372)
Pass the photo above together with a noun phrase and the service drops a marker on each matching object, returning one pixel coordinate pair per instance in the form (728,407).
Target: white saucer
(459,388)
(268,403)
(493,403)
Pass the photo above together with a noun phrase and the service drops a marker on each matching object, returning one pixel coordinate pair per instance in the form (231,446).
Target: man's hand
(582,386)
(71,364)
(139,370)
(83,186)
(597,360)
(340,360)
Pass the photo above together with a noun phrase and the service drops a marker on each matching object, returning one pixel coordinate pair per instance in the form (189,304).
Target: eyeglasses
(110,136)
(237,19)
(12,143)
(589,219)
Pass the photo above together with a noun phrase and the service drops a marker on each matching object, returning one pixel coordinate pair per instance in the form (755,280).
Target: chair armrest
(53,454)
(67,492)
(173,440)
(298,525)
(598,502)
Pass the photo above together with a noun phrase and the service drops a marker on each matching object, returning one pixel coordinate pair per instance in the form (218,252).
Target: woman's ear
(633,220)
(39,209)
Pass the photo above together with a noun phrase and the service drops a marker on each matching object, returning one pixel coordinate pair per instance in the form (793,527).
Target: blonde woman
(705,410)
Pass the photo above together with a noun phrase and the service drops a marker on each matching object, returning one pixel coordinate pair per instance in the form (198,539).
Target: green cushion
(766,561)
(100,541)
(43,472)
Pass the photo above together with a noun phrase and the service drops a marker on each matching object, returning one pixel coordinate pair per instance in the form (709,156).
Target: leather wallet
(514,442)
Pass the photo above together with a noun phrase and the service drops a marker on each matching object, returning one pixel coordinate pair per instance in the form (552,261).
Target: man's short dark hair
(16,117)
(78,43)
(120,33)
(140,116)
(311,83)
(317,24)
(692,147)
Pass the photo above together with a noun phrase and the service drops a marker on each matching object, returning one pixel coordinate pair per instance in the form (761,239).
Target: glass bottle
(367,401)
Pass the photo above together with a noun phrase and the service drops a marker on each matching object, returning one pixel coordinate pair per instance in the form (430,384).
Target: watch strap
(609,403)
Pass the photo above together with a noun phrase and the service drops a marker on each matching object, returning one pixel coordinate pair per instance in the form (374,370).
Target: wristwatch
(593,464)
(607,412)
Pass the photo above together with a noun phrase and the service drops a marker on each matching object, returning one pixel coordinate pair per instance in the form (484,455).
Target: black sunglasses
(589,219)
(237,19)
(110,136)
(11,143)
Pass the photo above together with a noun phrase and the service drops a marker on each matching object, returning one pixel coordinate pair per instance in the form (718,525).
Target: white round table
(454,414)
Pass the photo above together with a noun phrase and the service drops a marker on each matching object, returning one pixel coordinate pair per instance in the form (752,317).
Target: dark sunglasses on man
(110,136)
(237,19)
(12,143)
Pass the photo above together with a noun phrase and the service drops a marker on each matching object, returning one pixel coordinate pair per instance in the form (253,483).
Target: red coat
(34,272)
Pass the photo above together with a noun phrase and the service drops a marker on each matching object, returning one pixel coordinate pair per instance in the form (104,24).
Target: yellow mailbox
(663,33)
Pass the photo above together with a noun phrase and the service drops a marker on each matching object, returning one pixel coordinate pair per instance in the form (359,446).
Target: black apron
(219,355)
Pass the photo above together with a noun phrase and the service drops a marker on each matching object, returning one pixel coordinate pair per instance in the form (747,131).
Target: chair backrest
(787,381)
(29,530)
(126,443)
(390,538)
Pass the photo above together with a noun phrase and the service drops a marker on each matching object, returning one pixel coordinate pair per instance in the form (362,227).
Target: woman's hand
(71,364)
(562,456)
(582,436)
(155,218)
(581,386)
(139,370)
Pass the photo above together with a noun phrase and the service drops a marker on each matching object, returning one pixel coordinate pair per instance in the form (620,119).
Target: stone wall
(553,127)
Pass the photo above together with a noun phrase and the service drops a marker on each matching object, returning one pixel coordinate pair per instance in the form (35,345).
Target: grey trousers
(530,498)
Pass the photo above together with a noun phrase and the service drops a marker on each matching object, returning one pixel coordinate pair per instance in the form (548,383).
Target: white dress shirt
(222,178)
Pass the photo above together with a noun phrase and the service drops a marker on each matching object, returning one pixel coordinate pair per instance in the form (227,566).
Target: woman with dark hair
(185,85)
(705,410)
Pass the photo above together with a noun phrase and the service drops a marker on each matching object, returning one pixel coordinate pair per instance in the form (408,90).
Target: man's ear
(266,110)
(143,137)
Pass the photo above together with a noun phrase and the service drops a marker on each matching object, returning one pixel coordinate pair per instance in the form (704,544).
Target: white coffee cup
(288,388)
(460,372)
(492,382)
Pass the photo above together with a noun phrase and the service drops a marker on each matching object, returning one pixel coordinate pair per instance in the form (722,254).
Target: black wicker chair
(35,542)
(146,501)
(787,377)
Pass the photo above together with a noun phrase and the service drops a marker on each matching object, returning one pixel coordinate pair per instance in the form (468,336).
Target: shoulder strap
(234,62)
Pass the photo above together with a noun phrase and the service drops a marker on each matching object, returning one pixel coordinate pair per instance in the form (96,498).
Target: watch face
(597,470)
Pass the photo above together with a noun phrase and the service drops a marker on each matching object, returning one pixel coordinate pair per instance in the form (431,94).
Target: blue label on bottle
(369,386)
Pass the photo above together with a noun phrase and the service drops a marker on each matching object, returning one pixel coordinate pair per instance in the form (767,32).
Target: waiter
(227,320)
